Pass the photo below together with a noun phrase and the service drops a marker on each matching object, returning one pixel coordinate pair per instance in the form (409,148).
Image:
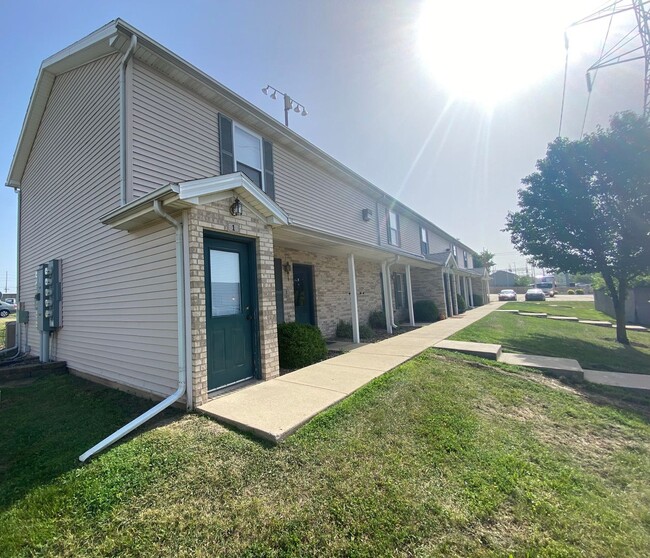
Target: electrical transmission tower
(625,50)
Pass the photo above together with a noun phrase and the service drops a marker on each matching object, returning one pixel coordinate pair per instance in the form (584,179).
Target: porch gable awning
(139,213)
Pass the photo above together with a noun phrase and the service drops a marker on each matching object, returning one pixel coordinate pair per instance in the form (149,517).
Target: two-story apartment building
(188,223)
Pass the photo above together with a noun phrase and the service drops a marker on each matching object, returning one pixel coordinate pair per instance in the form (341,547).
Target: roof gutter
(125,61)
(182,356)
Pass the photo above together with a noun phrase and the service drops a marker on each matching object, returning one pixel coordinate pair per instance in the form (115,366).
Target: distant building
(503,279)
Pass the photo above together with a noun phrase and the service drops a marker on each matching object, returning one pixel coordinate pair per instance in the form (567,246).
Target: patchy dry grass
(445,456)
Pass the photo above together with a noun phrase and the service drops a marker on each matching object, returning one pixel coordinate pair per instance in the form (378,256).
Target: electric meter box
(48,296)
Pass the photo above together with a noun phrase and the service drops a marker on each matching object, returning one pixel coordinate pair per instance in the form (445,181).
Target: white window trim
(234,148)
(393,241)
(426,236)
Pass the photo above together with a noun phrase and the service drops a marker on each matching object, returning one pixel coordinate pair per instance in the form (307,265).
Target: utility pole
(622,52)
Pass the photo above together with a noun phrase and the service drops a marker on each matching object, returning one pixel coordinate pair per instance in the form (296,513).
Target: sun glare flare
(488,52)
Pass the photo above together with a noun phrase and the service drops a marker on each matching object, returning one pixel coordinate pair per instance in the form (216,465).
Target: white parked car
(6,308)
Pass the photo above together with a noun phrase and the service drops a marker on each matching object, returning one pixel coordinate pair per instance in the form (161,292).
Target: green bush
(580,291)
(366,332)
(425,311)
(300,345)
(377,319)
(461,303)
(570,291)
(344,330)
(478,300)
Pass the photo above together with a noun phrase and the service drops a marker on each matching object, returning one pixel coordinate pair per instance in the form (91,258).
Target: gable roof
(114,37)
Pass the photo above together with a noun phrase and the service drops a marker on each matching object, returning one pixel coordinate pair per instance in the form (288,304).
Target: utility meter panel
(48,296)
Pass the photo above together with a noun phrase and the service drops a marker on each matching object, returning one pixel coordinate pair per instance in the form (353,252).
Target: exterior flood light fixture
(289,103)
(236,209)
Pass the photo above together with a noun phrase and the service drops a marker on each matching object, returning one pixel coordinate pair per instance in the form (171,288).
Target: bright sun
(488,51)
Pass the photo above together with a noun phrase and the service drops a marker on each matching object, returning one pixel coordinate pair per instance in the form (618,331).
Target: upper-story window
(393,228)
(241,150)
(465,258)
(454,250)
(248,156)
(424,240)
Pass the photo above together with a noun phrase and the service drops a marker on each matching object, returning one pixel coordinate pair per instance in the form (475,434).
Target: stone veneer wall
(216,217)
(427,285)
(332,287)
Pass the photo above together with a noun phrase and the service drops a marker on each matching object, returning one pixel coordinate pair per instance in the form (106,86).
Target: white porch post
(450,304)
(388,303)
(353,300)
(471,293)
(409,295)
(454,298)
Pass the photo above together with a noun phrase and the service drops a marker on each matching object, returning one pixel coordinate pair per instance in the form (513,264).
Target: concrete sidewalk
(275,409)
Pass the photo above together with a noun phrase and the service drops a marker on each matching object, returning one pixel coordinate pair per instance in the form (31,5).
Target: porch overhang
(321,242)
(140,213)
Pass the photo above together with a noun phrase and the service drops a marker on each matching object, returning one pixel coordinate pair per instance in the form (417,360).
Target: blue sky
(374,103)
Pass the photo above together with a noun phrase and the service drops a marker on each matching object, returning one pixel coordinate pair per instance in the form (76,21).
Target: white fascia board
(204,190)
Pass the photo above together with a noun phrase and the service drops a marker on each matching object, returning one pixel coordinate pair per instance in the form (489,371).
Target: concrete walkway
(275,409)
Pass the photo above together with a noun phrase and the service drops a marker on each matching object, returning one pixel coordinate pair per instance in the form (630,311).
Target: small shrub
(478,300)
(344,330)
(570,291)
(580,291)
(300,345)
(461,304)
(366,332)
(377,319)
(425,311)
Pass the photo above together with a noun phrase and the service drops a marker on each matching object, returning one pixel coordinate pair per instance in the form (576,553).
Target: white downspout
(125,60)
(180,302)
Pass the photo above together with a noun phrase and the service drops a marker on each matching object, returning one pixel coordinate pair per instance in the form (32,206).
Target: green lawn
(593,346)
(584,310)
(480,460)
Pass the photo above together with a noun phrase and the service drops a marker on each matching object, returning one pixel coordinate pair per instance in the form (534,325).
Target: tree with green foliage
(524,281)
(587,208)
(484,259)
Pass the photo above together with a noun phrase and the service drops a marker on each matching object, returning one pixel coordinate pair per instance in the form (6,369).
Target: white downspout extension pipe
(180,302)
(125,60)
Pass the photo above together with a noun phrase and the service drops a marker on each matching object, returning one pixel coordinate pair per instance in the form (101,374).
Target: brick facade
(216,217)
(332,287)
(427,285)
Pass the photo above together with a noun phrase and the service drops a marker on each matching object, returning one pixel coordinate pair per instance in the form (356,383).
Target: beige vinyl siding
(174,133)
(437,244)
(409,235)
(315,199)
(382,217)
(119,289)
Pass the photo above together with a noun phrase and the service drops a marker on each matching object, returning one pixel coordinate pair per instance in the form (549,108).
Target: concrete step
(600,323)
(484,350)
(618,379)
(564,318)
(534,314)
(554,366)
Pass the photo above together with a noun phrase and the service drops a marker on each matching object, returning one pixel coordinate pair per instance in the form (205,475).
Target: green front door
(230,312)
(303,293)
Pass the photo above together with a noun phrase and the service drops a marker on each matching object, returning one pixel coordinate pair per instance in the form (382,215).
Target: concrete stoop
(599,323)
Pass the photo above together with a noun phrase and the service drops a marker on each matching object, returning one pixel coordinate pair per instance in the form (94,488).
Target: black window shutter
(226,150)
(279,293)
(269,175)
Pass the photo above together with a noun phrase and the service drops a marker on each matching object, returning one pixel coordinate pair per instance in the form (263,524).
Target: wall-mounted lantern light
(366,214)
(287,268)
(236,209)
